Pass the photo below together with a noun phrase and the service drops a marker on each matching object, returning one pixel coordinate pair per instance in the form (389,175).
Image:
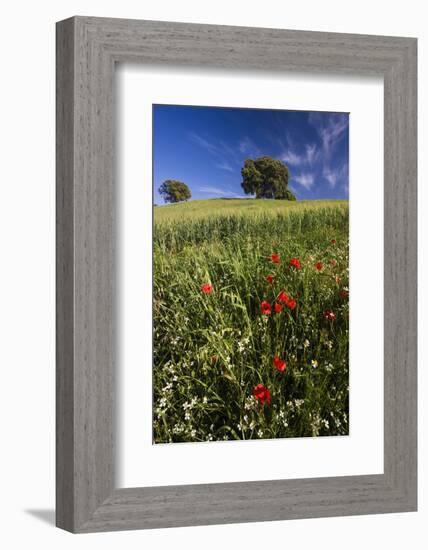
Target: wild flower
(344,293)
(291,304)
(262,394)
(250,403)
(178,428)
(188,405)
(207,288)
(329,315)
(283,297)
(295,262)
(265,307)
(279,364)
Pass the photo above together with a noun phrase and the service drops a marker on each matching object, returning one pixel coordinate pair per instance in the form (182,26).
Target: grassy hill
(230,207)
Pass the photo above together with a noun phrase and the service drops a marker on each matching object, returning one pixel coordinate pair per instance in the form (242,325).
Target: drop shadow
(47,515)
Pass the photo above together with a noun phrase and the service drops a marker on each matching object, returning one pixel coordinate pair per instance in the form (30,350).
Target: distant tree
(174,191)
(267,178)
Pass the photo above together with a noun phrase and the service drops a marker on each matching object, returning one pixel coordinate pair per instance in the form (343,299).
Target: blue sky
(205,147)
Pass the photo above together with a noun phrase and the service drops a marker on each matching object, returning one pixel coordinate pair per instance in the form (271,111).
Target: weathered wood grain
(87,49)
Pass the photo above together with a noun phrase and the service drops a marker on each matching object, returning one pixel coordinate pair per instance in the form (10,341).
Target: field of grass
(247,345)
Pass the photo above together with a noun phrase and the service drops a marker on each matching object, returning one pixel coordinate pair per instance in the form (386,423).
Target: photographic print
(250,274)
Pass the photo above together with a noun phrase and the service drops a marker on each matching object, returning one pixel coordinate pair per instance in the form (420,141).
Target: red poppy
(269,279)
(333,263)
(295,262)
(333,241)
(279,364)
(344,293)
(291,304)
(283,297)
(319,266)
(275,258)
(277,308)
(265,307)
(262,394)
(329,315)
(207,288)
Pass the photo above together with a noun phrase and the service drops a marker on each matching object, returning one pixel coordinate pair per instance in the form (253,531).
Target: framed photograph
(236,274)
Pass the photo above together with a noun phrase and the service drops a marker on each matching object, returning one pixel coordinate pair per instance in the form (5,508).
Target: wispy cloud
(204,143)
(225,166)
(305,180)
(308,156)
(331,176)
(212,190)
(218,192)
(334,176)
(248,147)
(229,157)
(331,128)
(312,153)
(290,157)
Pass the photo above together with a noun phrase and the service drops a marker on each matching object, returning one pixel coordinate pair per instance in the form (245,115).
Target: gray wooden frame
(87,50)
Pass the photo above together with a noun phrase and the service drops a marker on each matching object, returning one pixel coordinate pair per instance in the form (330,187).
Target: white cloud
(291,157)
(205,144)
(248,147)
(305,180)
(225,166)
(310,155)
(218,192)
(211,189)
(333,176)
(331,128)
(224,155)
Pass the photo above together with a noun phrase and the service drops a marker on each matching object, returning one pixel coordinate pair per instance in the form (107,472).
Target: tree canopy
(267,178)
(174,191)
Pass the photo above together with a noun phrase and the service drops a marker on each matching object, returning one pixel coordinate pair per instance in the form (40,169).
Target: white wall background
(27,272)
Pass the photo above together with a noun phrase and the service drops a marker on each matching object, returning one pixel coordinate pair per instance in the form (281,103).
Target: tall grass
(212,350)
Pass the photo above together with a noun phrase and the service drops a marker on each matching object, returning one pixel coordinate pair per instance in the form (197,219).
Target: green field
(233,207)
(213,349)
